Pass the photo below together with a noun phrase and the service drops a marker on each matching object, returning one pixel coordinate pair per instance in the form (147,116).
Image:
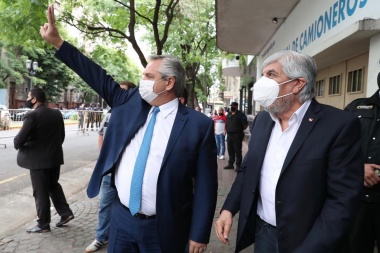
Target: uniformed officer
(366,228)
(235,125)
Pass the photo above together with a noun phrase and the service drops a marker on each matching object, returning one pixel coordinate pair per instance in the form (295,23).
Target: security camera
(237,57)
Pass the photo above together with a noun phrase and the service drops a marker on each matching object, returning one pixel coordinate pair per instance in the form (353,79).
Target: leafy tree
(117,64)
(182,28)
(52,75)
(12,64)
(118,22)
(193,39)
(21,20)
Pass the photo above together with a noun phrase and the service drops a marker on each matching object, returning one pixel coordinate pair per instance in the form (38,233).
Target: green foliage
(192,39)
(116,63)
(21,20)
(183,28)
(117,22)
(12,64)
(52,75)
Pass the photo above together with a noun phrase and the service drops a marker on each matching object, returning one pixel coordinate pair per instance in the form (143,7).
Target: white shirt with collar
(278,147)
(124,170)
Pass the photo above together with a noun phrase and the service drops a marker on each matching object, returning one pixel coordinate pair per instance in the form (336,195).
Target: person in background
(39,145)
(107,193)
(98,112)
(220,129)
(81,117)
(299,188)
(366,228)
(161,155)
(183,97)
(236,123)
(198,109)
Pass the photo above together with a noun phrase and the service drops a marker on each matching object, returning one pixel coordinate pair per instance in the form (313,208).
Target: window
(355,81)
(334,85)
(320,88)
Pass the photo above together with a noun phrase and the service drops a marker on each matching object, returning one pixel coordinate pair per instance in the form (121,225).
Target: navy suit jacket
(187,183)
(317,193)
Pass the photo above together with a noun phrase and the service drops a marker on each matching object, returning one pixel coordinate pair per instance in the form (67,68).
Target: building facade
(343,36)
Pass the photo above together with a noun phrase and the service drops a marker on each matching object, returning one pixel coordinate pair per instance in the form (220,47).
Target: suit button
(278,202)
(253,192)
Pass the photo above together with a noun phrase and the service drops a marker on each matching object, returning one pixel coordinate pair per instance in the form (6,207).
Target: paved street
(81,231)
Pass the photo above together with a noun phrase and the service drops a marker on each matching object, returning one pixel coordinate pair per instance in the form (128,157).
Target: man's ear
(171,82)
(301,82)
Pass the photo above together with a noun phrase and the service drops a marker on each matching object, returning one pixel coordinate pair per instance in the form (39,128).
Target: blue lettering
(335,14)
(351,11)
(320,26)
(305,42)
(311,34)
(362,3)
(327,22)
(342,4)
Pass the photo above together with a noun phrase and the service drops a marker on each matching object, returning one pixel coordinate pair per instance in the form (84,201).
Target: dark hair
(39,94)
(184,95)
(127,83)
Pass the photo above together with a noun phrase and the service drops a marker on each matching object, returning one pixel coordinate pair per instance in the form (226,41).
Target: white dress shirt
(124,170)
(278,147)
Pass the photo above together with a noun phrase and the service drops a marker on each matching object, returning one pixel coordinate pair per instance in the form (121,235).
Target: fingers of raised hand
(50,15)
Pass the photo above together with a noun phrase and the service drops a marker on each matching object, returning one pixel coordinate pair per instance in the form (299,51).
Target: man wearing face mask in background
(173,206)
(39,145)
(301,178)
(236,123)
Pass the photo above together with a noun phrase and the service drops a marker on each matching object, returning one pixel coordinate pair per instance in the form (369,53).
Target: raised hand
(49,31)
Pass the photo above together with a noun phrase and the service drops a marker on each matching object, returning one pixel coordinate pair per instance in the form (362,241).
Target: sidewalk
(80,232)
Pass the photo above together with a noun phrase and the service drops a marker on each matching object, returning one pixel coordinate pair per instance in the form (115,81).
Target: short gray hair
(296,65)
(172,66)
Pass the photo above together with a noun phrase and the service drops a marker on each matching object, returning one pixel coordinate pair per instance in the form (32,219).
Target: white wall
(310,15)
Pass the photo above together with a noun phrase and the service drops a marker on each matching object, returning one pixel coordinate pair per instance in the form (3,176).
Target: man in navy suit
(302,176)
(179,186)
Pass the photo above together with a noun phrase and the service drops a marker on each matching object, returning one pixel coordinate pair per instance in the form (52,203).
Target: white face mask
(146,90)
(265,91)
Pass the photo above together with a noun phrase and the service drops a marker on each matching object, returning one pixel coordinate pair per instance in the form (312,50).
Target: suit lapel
(264,128)
(179,123)
(308,122)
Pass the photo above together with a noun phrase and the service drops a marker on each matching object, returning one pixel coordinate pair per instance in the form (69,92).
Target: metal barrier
(87,120)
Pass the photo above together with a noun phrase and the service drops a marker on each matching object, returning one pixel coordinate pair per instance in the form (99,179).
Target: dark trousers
(90,120)
(234,146)
(265,237)
(130,234)
(45,184)
(365,229)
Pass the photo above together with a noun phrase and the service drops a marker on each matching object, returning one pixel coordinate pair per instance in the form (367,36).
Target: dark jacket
(317,193)
(39,142)
(368,112)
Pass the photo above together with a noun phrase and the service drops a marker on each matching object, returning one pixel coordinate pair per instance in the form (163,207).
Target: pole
(31,83)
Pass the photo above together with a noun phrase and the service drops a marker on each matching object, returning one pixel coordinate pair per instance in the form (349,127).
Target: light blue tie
(138,171)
